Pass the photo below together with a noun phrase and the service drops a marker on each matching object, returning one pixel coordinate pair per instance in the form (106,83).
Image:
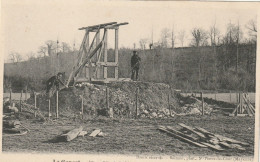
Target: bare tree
(51,45)
(213,34)
(43,50)
(165,37)
(12,57)
(181,37)
(18,57)
(200,37)
(15,57)
(65,47)
(143,43)
(252,29)
(173,38)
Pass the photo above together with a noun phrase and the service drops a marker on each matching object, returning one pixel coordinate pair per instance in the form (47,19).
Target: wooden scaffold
(92,64)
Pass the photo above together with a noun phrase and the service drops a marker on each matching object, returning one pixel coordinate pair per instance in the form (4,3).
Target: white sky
(27,24)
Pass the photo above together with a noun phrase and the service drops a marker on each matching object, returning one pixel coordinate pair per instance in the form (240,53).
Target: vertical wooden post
(57,104)
(35,104)
(21,101)
(86,46)
(241,103)
(10,97)
(49,108)
(169,106)
(82,105)
(110,109)
(237,98)
(97,42)
(105,54)
(25,93)
(136,101)
(116,52)
(202,101)
(230,96)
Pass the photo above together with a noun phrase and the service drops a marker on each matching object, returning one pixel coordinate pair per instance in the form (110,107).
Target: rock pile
(193,106)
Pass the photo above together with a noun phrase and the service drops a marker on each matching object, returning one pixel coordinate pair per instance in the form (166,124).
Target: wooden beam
(161,128)
(192,130)
(116,53)
(115,26)
(222,138)
(72,134)
(97,26)
(105,54)
(95,133)
(180,133)
(107,63)
(214,147)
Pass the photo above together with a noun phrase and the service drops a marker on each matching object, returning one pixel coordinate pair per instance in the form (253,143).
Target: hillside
(184,68)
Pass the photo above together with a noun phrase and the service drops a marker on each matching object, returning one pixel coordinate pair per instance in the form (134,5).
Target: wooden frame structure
(244,106)
(96,68)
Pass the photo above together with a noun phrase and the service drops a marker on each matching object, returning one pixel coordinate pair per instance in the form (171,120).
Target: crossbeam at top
(97,26)
(110,25)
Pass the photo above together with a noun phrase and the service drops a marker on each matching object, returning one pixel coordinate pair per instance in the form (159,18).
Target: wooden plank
(115,26)
(232,146)
(82,133)
(214,147)
(222,138)
(95,133)
(72,134)
(97,26)
(107,63)
(192,130)
(180,133)
(105,53)
(204,131)
(180,137)
(116,52)
(242,114)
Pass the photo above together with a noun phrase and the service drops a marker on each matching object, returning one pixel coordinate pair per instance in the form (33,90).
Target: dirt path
(127,136)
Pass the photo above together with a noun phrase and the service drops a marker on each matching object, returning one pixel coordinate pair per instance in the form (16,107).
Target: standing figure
(55,81)
(135,65)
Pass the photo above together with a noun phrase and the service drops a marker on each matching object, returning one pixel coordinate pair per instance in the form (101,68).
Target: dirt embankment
(154,100)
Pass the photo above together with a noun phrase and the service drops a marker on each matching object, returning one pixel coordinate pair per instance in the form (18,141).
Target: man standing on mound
(135,65)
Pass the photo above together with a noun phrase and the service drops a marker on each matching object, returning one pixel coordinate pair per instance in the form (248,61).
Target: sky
(27,24)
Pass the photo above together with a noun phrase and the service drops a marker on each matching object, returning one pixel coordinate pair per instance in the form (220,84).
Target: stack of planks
(202,138)
(78,132)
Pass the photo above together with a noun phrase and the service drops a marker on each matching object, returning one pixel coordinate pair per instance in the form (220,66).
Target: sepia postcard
(121,81)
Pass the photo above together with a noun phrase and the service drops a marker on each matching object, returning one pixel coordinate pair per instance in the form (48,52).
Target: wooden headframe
(95,68)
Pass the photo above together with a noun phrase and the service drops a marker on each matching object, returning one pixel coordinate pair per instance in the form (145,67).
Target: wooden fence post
(136,101)
(49,108)
(169,106)
(25,93)
(110,109)
(21,101)
(35,104)
(57,104)
(202,101)
(10,97)
(230,96)
(82,105)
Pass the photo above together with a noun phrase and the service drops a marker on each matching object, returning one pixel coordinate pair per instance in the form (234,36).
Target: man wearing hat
(135,65)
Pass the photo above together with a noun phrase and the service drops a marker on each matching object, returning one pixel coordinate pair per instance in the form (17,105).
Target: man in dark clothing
(135,65)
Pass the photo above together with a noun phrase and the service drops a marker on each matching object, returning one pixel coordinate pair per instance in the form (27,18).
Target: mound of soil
(154,100)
